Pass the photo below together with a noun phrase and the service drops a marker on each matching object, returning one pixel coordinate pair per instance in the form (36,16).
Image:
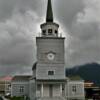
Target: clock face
(50,56)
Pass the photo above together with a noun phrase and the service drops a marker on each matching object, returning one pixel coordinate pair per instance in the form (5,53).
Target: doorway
(51,91)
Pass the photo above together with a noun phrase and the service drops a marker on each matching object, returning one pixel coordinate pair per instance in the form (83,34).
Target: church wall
(78,89)
(42,71)
(15,88)
(45,45)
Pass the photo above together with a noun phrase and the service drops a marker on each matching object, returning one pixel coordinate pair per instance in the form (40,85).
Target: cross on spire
(49,16)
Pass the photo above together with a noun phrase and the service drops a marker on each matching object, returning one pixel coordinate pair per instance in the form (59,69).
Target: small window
(74,88)
(56,31)
(8,87)
(21,89)
(50,31)
(50,72)
(44,32)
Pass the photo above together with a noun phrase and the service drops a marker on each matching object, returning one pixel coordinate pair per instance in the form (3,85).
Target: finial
(49,16)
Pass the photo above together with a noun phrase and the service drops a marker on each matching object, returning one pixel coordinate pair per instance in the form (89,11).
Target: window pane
(49,30)
(50,72)
(74,88)
(56,31)
(21,89)
(44,32)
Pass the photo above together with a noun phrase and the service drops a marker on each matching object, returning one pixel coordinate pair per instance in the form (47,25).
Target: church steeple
(49,28)
(49,16)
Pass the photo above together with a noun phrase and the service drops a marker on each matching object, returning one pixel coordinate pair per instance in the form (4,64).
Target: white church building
(49,81)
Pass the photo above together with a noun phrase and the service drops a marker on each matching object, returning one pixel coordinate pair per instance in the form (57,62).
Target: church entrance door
(51,91)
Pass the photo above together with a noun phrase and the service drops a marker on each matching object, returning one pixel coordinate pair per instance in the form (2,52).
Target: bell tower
(49,81)
(49,29)
(50,49)
(50,70)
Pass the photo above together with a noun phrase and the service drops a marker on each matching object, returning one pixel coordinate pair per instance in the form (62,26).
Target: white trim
(19,83)
(42,90)
(60,89)
(79,82)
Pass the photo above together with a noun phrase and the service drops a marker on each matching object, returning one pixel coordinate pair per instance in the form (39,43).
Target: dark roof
(21,78)
(49,16)
(75,78)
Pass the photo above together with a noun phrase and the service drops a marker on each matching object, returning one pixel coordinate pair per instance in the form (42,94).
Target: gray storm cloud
(84,30)
(19,25)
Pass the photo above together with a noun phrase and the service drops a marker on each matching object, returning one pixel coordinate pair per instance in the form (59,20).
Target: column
(60,89)
(42,90)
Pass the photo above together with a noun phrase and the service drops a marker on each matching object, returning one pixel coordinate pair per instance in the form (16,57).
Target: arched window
(49,31)
(56,31)
(44,32)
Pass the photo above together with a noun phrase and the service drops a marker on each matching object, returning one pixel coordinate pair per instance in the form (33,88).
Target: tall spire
(49,16)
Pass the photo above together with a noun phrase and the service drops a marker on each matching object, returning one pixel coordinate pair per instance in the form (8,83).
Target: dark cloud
(66,10)
(7,7)
(17,41)
(81,24)
(20,23)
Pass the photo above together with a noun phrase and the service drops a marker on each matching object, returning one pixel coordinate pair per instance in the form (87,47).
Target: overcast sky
(20,23)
